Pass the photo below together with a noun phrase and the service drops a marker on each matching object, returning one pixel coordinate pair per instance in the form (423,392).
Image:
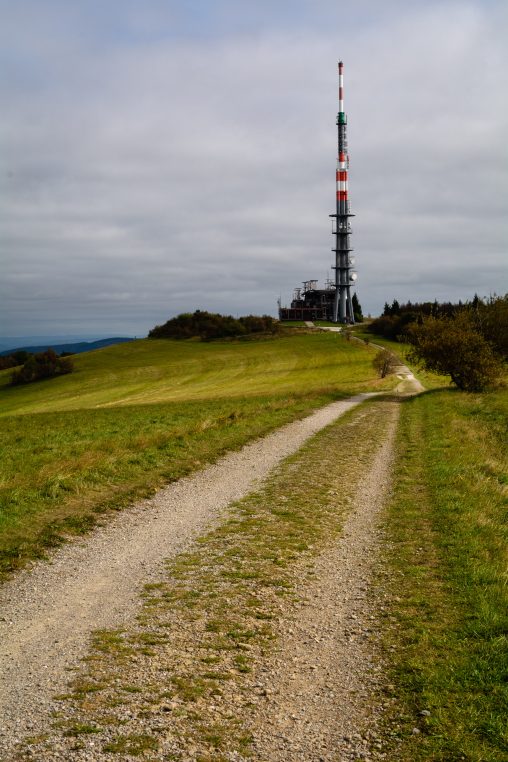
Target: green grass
(150,371)
(450,571)
(364,333)
(137,415)
(134,745)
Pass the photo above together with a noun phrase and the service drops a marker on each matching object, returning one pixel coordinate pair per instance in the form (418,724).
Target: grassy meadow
(161,370)
(447,630)
(134,416)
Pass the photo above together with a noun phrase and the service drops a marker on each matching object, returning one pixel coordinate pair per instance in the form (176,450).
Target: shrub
(42,365)
(259,324)
(454,347)
(385,362)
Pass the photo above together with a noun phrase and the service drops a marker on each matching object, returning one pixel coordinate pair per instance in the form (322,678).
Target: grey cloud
(155,177)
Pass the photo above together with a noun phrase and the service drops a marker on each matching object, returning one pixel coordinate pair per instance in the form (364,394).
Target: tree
(13,360)
(385,362)
(357,309)
(490,318)
(454,347)
(395,308)
(42,365)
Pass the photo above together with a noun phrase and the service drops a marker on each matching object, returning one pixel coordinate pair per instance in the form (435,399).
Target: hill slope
(161,370)
(136,415)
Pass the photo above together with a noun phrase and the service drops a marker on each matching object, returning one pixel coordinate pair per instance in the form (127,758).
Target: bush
(392,326)
(42,365)
(385,362)
(12,361)
(454,347)
(259,324)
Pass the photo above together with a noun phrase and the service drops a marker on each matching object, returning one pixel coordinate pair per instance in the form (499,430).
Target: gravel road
(324,680)
(49,611)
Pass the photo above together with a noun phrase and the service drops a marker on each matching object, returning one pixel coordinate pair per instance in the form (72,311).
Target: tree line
(467,341)
(36,367)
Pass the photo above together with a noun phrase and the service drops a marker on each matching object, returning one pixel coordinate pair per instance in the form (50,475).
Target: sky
(160,156)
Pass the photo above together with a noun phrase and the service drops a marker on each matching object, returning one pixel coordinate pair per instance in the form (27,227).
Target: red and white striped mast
(344,275)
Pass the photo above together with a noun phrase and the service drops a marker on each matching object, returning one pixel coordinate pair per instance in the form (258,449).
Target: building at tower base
(310,303)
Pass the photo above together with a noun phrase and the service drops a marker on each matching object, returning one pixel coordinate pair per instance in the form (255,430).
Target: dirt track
(49,611)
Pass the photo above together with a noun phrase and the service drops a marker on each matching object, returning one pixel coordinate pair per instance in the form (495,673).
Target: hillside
(161,370)
(136,415)
(374,557)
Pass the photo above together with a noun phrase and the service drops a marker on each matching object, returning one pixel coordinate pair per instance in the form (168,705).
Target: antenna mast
(344,275)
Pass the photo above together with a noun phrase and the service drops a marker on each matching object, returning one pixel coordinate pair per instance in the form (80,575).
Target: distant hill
(48,339)
(75,348)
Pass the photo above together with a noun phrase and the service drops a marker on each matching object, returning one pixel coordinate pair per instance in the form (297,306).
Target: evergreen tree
(357,309)
(395,308)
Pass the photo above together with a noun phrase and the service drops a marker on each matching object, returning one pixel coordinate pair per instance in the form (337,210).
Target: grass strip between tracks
(447,635)
(181,682)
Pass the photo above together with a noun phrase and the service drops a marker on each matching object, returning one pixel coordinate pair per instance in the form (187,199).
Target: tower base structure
(314,303)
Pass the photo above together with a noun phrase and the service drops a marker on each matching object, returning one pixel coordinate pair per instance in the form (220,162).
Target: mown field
(134,416)
(152,371)
(447,628)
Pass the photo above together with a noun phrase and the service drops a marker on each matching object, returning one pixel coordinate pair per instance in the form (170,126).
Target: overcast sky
(162,156)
